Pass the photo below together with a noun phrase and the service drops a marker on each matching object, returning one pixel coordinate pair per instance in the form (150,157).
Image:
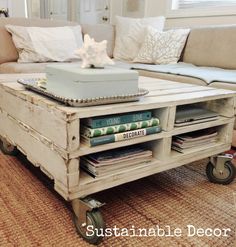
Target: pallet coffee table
(48,133)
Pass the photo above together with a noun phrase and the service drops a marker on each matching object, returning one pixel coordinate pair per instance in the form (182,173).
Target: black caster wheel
(221,177)
(8,148)
(94,224)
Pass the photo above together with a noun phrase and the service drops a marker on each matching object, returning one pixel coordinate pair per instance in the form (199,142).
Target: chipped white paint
(48,133)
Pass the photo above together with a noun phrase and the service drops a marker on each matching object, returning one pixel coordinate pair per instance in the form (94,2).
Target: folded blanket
(207,74)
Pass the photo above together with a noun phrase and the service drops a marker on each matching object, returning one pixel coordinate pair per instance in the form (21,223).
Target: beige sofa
(209,57)
(8,52)
(207,48)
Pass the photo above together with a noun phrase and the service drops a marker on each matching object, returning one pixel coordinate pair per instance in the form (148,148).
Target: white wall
(18,8)
(159,7)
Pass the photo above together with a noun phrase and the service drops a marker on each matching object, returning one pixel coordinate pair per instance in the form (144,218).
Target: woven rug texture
(31,214)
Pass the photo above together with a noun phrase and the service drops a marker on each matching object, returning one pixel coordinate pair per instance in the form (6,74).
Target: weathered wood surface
(40,153)
(89,185)
(30,108)
(147,102)
(49,132)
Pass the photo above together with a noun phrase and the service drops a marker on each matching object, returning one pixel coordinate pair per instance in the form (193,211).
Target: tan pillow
(39,44)
(162,47)
(130,34)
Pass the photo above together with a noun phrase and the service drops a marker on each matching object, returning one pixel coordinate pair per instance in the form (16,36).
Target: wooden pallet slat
(49,132)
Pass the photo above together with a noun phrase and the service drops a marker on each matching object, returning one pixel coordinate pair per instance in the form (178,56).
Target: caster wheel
(95,220)
(8,148)
(221,177)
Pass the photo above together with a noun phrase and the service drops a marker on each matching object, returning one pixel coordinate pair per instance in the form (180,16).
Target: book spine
(89,132)
(120,119)
(123,136)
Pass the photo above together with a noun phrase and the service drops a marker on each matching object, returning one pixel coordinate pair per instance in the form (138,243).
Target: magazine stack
(185,142)
(102,130)
(113,161)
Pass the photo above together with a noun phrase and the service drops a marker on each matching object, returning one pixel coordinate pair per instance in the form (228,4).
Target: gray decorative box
(73,82)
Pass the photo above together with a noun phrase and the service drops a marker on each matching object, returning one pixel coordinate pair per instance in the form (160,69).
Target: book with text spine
(95,141)
(106,121)
(89,132)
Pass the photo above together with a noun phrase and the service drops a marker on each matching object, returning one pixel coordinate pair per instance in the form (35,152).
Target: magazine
(108,162)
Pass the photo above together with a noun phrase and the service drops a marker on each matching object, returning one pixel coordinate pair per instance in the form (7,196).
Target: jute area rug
(32,214)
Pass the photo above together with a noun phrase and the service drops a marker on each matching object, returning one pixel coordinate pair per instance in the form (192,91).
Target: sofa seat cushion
(172,77)
(224,85)
(14,67)
(207,74)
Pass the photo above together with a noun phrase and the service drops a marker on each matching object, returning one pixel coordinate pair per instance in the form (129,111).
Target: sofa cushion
(162,47)
(212,46)
(44,44)
(130,35)
(224,85)
(172,77)
(14,67)
(8,52)
(207,74)
(101,32)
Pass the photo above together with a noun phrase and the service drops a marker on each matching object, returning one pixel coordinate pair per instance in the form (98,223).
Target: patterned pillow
(130,35)
(162,47)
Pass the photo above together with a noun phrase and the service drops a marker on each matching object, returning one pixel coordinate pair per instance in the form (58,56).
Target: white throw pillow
(162,47)
(44,44)
(130,35)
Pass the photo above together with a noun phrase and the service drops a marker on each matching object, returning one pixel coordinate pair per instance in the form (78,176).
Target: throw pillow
(40,44)
(130,34)
(162,47)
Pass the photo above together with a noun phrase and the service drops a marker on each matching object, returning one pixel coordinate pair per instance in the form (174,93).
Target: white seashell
(93,54)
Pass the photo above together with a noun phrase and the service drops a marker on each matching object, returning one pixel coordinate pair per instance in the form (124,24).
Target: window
(182,8)
(190,4)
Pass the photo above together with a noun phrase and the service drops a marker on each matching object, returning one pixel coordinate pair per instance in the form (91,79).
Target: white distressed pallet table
(48,133)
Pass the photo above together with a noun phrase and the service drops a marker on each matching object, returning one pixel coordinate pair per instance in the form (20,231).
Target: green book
(89,132)
(106,121)
(95,141)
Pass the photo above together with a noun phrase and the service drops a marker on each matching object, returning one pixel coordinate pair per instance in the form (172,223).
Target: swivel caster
(88,219)
(7,148)
(220,169)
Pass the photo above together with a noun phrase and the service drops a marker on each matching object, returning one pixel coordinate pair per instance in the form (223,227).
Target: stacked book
(182,143)
(101,130)
(113,161)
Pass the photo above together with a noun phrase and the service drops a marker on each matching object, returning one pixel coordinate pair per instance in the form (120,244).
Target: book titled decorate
(95,141)
(100,122)
(89,132)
